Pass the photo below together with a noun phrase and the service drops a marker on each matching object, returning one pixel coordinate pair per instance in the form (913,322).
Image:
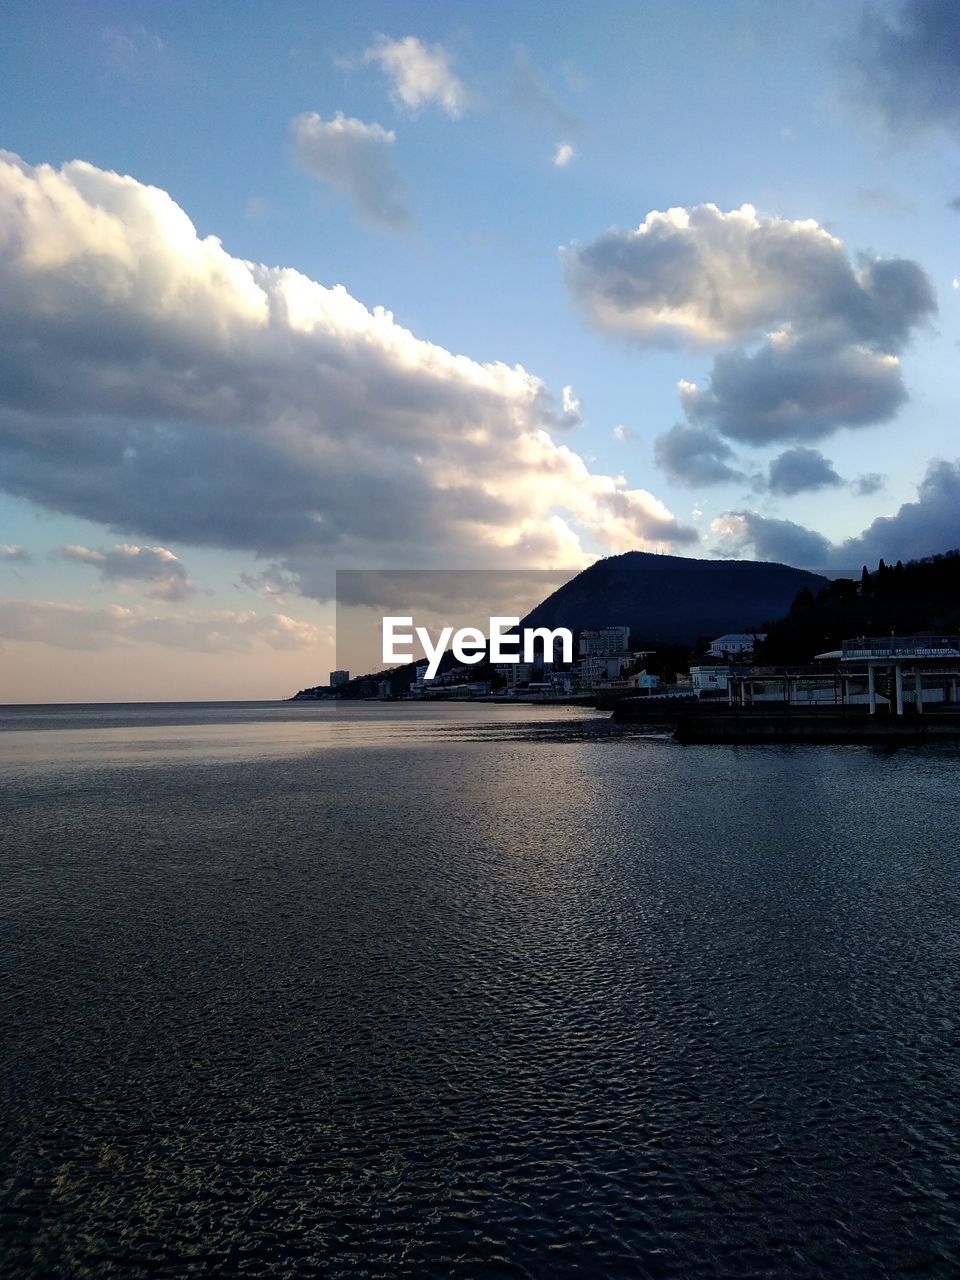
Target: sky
(289,287)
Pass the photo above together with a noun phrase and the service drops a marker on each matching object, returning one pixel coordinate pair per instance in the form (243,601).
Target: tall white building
(604,640)
(421,683)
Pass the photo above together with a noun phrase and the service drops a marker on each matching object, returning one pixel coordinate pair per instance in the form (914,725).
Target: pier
(892,689)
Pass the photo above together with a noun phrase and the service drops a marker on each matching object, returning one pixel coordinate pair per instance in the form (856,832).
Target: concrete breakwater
(720,723)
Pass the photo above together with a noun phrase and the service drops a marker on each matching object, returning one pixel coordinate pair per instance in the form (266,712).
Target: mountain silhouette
(672,598)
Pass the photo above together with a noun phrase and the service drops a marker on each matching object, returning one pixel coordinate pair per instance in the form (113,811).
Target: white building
(916,670)
(736,645)
(604,640)
(644,680)
(892,675)
(420,686)
(709,679)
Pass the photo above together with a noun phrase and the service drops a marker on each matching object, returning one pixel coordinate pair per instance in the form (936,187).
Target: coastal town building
(517,673)
(455,675)
(598,668)
(905,671)
(339,678)
(468,689)
(420,684)
(898,675)
(604,640)
(562,683)
(709,679)
(641,682)
(736,645)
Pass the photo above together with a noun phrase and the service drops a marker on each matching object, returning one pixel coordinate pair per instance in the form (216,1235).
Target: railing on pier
(871,647)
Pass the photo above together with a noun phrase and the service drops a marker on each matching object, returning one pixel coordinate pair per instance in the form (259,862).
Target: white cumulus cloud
(810,339)
(702,277)
(563,154)
(153,383)
(571,403)
(420,74)
(126,563)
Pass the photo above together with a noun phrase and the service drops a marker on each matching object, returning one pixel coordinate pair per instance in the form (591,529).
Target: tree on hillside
(921,596)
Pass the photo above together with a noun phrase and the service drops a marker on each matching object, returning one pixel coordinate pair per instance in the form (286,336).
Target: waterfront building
(762,685)
(900,674)
(339,678)
(709,679)
(640,682)
(905,671)
(469,689)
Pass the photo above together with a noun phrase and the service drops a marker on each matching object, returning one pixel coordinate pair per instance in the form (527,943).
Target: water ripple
(489,999)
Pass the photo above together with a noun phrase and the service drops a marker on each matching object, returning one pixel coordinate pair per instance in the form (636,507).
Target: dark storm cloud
(801,470)
(694,456)
(796,389)
(782,541)
(810,378)
(893,297)
(921,528)
(925,527)
(829,329)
